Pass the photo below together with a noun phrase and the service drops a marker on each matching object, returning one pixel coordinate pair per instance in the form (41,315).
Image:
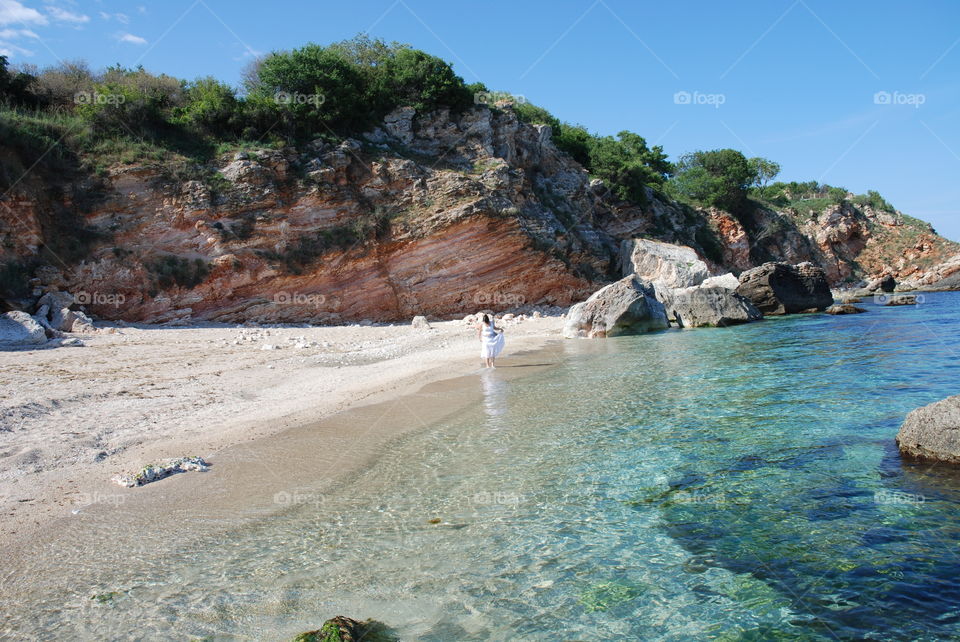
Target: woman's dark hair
(486,319)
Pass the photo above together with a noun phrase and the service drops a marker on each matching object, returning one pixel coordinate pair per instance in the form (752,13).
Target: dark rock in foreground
(628,306)
(780,288)
(344,629)
(844,308)
(933,432)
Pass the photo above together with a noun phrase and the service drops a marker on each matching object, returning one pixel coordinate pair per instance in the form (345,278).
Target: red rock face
(735,241)
(365,235)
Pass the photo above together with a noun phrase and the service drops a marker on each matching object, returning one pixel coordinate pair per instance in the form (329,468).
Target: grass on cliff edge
(62,143)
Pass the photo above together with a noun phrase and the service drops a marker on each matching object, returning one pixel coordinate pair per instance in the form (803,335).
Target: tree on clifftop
(717,178)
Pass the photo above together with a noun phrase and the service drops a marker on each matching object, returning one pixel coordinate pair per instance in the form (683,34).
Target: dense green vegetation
(125,114)
(67,114)
(717,178)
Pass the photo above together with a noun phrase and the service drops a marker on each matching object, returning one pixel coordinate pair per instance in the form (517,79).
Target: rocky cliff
(434,214)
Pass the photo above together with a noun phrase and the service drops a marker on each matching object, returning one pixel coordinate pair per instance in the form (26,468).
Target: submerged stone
(844,308)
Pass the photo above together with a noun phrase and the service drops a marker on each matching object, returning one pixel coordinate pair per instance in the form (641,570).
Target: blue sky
(796,81)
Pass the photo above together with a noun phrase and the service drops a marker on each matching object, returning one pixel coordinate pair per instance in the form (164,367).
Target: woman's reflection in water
(494,399)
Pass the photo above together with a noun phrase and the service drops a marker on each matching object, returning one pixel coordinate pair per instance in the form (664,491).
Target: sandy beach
(71,418)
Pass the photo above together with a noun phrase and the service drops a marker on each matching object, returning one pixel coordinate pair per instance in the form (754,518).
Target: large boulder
(628,306)
(20,329)
(780,288)
(706,306)
(933,432)
(663,264)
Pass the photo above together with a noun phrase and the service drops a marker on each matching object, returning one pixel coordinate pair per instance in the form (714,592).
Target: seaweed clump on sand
(344,629)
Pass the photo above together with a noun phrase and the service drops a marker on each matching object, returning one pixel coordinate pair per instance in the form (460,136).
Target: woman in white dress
(491,341)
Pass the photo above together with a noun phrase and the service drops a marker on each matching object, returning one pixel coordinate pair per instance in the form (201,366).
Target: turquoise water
(736,484)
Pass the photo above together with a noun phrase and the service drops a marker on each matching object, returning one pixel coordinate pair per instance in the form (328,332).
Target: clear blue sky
(797,78)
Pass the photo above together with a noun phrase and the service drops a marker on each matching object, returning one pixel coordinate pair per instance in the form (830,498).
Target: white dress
(491,342)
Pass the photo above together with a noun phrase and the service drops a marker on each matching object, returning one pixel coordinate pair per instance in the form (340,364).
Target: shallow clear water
(736,483)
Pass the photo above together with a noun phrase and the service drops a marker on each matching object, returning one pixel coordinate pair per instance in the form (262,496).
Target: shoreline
(75,417)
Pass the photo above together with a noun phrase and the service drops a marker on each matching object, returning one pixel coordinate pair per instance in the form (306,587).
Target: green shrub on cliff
(716,178)
(212,107)
(15,86)
(628,165)
(625,162)
(348,87)
(812,197)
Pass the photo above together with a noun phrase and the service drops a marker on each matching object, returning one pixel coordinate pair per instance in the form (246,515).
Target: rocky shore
(435,214)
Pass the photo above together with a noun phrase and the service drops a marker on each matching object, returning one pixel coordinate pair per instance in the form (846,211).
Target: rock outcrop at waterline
(628,306)
(701,306)
(779,288)
(844,308)
(932,432)
(431,214)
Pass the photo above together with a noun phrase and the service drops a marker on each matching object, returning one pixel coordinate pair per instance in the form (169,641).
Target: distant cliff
(428,214)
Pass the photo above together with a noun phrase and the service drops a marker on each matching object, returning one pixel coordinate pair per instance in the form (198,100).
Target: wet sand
(74,556)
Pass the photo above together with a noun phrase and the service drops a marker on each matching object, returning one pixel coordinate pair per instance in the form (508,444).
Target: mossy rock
(344,629)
